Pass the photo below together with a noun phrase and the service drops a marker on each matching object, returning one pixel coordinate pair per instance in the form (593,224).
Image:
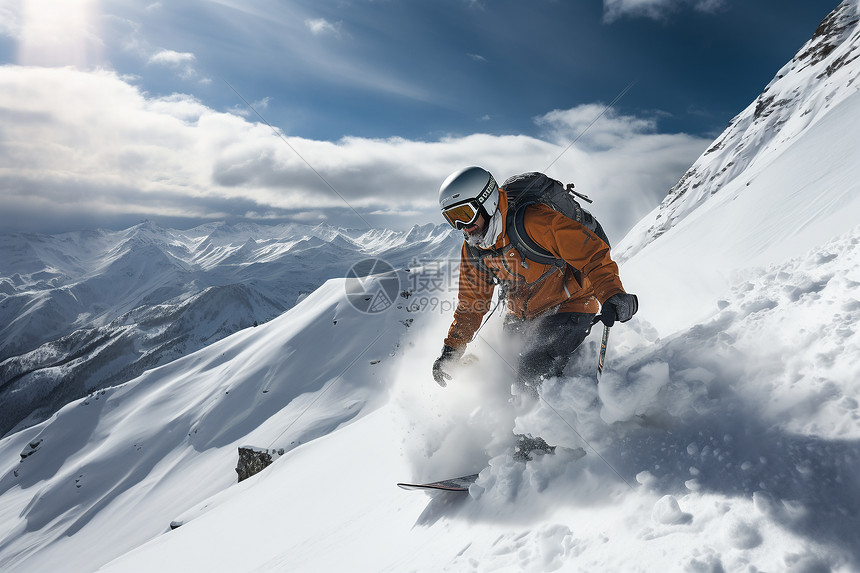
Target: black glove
(449,355)
(620,306)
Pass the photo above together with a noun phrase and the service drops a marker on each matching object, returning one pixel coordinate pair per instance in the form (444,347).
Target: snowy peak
(822,75)
(84,310)
(837,32)
(420,232)
(804,84)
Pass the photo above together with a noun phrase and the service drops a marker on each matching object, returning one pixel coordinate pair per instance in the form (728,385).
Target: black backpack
(530,188)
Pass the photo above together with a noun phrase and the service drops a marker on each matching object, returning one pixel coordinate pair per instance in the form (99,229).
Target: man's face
(477,229)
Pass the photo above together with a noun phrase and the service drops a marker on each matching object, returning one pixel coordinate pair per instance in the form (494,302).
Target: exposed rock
(31,449)
(253,460)
(817,79)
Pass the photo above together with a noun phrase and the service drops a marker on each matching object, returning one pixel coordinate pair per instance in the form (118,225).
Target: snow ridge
(86,310)
(822,74)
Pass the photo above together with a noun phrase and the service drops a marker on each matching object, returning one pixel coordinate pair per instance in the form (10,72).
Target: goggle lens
(460,216)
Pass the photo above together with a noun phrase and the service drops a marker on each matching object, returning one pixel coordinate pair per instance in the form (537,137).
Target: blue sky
(116,111)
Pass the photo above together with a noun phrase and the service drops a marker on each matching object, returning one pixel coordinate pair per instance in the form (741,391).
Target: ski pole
(602,357)
(603,342)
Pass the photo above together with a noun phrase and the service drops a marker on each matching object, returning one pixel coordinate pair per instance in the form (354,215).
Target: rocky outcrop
(253,460)
(822,74)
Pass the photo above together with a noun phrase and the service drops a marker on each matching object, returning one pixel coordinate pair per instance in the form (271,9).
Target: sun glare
(59,33)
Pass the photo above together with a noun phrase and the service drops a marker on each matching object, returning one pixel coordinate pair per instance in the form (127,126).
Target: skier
(551,307)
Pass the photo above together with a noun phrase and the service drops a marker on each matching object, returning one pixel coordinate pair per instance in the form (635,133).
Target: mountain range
(723,435)
(86,310)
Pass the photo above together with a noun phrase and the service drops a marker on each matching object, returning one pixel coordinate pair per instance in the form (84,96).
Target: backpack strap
(529,249)
(525,244)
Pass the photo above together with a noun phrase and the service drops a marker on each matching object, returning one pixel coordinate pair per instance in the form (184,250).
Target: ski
(454,484)
(526,445)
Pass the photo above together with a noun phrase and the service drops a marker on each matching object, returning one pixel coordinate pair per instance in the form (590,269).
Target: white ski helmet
(466,193)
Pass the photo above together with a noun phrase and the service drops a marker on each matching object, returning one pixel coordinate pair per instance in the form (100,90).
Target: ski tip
(427,487)
(459,484)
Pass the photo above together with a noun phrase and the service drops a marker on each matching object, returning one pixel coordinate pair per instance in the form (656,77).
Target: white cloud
(10,24)
(83,145)
(578,123)
(244,110)
(320,26)
(478,58)
(709,5)
(656,9)
(171,58)
(182,62)
(622,162)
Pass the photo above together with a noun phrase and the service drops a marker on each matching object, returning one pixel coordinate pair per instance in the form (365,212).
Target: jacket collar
(502,213)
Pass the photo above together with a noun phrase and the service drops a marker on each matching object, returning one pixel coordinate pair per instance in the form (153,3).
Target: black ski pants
(548,342)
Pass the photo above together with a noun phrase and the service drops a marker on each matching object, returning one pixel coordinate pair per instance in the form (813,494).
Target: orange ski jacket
(534,289)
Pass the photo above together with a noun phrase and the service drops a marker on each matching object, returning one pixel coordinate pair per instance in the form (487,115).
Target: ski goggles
(462,215)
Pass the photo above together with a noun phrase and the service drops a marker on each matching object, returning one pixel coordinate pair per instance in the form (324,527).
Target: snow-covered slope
(85,310)
(746,460)
(818,79)
(781,179)
(734,449)
(728,442)
(106,470)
